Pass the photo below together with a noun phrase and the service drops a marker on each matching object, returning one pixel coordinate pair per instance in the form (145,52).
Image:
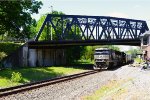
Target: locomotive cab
(102,58)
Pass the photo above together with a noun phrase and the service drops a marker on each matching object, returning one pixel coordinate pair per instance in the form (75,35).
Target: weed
(16,77)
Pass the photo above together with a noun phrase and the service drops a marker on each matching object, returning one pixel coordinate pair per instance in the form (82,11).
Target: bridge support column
(32,60)
(46,57)
(25,56)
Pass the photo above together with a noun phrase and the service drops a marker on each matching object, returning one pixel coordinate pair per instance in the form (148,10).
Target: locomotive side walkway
(125,83)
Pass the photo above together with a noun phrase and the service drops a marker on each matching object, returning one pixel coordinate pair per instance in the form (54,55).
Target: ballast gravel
(138,87)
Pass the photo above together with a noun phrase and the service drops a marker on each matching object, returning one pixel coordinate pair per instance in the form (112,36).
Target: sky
(133,9)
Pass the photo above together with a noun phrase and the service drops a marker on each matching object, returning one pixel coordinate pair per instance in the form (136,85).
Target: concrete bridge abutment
(28,57)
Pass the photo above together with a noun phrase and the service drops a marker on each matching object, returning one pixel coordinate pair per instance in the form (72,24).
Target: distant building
(145,45)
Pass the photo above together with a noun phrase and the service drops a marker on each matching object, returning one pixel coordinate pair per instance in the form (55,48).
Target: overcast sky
(133,9)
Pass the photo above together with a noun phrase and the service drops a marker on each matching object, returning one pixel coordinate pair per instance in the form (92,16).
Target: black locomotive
(107,58)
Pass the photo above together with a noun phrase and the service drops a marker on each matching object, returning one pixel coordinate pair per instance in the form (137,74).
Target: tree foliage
(57,33)
(16,15)
(112,47)
(46,35)
(89,53)
(133,52)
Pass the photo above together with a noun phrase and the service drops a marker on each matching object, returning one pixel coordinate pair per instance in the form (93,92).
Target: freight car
(105,58)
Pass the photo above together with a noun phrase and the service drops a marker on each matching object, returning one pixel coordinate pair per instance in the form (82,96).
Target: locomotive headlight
(104,60)
(100,56)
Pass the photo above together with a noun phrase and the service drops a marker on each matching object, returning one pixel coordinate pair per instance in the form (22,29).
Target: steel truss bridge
(65,30)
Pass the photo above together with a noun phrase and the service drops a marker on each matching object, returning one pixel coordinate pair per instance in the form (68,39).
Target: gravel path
(136,87)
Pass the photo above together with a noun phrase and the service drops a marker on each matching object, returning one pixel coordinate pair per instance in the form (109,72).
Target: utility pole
(51,9)
(51,25)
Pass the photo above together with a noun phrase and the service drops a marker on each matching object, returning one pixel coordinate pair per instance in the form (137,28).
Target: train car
(123,58)
(128,59)
(105,58)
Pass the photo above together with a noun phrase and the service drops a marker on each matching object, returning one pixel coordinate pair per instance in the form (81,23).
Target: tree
(16,15)
(44,34)
(57,33)
(88,53)
(113,47)
(133,52)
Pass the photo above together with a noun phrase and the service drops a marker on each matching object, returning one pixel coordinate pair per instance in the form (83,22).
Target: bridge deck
(66,43)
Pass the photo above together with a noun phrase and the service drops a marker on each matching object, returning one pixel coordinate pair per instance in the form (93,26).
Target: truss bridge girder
(80,27)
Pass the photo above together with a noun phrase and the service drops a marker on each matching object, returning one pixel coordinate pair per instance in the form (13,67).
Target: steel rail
(35,85)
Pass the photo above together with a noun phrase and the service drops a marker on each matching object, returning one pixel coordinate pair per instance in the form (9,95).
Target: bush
(16,77)
(8,47)
(89,53)
(2,55)
(74,53)
(138,60)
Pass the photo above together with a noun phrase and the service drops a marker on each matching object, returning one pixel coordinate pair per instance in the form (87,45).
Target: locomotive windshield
(102,52)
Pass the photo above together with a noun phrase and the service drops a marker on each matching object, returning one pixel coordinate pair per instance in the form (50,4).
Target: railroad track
(30,86)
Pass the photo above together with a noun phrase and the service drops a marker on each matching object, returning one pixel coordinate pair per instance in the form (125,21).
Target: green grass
(82,61)
(35,74)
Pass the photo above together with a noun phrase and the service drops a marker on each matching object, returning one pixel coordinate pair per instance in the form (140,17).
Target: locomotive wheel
(99,68)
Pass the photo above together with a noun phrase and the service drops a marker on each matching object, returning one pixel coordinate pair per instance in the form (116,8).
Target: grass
(35,74)
(113,89)
(82,61)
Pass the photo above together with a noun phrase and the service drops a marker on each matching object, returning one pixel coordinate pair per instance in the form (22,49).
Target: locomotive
(105,58)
